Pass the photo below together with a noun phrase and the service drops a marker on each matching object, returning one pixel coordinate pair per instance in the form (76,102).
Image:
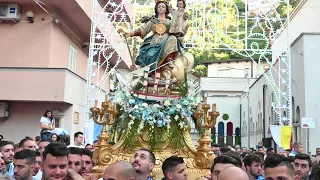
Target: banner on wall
(281,135)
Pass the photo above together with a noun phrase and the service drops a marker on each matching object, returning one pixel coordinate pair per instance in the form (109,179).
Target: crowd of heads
(49,159)
(264,163)
(42,159)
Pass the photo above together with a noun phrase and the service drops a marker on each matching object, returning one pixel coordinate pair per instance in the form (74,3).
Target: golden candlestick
(207,120)
(105,116)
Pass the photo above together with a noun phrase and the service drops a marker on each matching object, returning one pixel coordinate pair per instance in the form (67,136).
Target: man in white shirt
(78,140)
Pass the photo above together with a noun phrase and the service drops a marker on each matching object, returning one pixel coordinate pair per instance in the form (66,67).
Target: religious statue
(179,24)
(163,50)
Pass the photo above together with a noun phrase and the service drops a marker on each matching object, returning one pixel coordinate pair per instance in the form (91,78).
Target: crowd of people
(51,156)
(46,159)
(264,163)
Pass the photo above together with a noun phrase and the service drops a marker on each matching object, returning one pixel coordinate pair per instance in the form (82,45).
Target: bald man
(120,170)
(233,173)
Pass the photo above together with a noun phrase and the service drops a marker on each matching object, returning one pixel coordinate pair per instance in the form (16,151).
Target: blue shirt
(11,169)
(149,178)
(293,153)
(260,177)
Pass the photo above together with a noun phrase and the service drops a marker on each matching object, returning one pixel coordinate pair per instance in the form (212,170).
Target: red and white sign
(308,122)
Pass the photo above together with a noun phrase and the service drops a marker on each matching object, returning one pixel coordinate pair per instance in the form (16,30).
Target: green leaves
(201,70)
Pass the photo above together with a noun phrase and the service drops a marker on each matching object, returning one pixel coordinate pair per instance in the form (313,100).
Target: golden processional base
(198,160)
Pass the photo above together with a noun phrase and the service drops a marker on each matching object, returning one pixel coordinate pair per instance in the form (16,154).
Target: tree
(201,70)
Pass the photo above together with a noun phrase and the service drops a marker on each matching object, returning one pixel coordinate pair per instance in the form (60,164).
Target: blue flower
(146,114)
(132,101)
(160,115)
(185,102)
(171,111)
(136,113)
(159,123)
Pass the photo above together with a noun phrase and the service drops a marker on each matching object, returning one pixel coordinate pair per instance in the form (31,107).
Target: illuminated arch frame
(103,47)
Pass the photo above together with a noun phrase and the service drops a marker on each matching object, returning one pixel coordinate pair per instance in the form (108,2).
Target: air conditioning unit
(4,110)
(9,12)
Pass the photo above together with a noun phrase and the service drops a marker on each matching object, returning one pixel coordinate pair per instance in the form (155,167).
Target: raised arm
(142,32)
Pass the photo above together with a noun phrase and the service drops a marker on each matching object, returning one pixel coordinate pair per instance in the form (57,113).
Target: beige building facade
(304,40)
(43,65)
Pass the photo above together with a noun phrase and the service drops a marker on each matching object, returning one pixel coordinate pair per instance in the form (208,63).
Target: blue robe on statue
(153,53)
(156,48)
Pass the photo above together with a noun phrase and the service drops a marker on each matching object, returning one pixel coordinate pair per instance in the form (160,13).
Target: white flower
(141,126)
(118,100)
(166,103)
(181,124)
(176,117)
(178,106)
(144,105)
(156,105)
(130,123)
(136,107)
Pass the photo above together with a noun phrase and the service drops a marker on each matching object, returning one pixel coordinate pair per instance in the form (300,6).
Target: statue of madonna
(161,47)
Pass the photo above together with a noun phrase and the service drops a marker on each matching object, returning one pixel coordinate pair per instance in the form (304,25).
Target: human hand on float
(73,175)
(89,176)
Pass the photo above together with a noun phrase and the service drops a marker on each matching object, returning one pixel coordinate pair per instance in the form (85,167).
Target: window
(57,121)
(72,63)
(224,73)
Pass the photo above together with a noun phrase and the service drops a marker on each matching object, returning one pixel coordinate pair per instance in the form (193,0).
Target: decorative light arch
(253,33)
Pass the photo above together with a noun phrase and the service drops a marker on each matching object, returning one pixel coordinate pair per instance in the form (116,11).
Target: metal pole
(289,64)
(249,123)
(249,116)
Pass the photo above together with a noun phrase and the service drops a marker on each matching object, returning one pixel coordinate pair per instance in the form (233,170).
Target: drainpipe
(264,110)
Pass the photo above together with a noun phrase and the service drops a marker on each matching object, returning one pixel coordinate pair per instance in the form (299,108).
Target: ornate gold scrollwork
(204,156)
(197,160)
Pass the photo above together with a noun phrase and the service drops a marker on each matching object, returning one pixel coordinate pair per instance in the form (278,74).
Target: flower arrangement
(162,121)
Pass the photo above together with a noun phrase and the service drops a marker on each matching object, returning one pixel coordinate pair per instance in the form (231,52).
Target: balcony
(42,85)
(74,18)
